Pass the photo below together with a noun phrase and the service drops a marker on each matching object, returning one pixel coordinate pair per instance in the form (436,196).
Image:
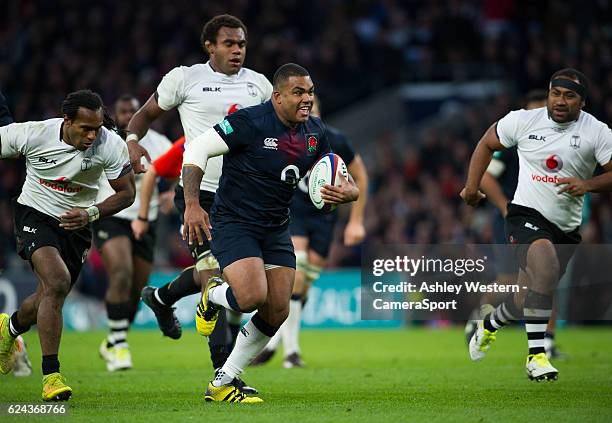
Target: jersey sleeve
(508,129)
(236,130)
(342,147)
(603,147)
(170,91)
(117,162)
(14,139)
(267,89)
(169,164)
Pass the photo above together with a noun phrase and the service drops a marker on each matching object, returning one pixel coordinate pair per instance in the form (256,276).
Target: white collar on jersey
(561,127)
(224,75)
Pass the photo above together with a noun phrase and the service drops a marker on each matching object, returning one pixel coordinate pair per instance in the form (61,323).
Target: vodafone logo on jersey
(60,184)
(233,108)
(553,163)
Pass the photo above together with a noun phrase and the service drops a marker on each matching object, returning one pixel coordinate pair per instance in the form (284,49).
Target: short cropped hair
(212,27)
(286,71)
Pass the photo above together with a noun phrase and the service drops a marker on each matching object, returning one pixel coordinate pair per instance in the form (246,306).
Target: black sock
(133,312)
(118,323)
(15,328)
(50,364)
(218,341)
(503,315)
(182,286)
(538,308)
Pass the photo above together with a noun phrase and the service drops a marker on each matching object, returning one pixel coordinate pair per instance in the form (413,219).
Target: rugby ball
(325,172)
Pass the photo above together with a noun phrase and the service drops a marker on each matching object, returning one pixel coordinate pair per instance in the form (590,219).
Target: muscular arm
(488,144)
(603,182)
(196,156)
(144,117)
(577,187)
(123,197)
(354,232)
(139,125)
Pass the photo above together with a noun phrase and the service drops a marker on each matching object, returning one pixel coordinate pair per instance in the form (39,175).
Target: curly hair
(211,28)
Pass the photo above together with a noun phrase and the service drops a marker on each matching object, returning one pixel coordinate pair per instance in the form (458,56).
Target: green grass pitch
(352,376)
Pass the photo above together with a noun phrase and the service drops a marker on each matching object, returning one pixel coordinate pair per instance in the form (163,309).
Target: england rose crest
(312,144)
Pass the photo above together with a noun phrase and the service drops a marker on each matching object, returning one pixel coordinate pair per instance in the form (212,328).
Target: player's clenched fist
(471,197)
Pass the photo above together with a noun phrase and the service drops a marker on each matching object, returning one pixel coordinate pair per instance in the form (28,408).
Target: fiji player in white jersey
(65,158)
(559,147)
(203,94)
(128,258)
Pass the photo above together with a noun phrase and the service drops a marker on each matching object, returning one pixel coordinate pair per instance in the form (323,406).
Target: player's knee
(251,300)
(543,266)
(121,276)
(57,285)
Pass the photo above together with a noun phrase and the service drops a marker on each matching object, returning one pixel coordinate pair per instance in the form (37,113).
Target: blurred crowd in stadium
(353,49)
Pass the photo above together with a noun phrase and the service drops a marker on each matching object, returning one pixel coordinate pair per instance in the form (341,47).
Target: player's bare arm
(345,193)
(195,159)
(354,232)
(577,187)
(125,192)
(137,128)
(195,218)
(140,226)
(483,153)
(493,190)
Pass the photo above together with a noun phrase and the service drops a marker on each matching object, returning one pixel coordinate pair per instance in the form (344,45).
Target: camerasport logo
(553,163)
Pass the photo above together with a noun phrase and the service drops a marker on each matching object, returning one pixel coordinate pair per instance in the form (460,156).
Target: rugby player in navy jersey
(267,149)
(312,231)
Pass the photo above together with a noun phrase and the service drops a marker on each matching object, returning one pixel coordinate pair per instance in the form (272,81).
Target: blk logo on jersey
(46,160)
(537,137)
(553,163)
(29,230)
(575,142)
(211,89)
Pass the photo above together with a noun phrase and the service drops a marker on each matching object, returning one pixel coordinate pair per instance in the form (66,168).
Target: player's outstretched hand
(354,233)
(195,221)
(472,198)
(139,228)
(137,152)
(74,219)
(346,192)
(575,187)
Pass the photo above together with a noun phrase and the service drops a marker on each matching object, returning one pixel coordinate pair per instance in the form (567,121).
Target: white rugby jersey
(156,144)
(548,151)
(204,97)
(58,176)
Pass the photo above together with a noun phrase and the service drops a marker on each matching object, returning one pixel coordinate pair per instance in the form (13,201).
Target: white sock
(291,328)
(218,295)
(249,343)
(275,340)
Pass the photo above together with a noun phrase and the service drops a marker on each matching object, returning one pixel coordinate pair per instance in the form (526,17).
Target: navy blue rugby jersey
(339,143)
(265,162)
